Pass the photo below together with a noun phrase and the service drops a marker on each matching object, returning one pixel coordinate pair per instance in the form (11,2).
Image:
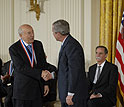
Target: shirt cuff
(53,75)
(70,94)
(100,94)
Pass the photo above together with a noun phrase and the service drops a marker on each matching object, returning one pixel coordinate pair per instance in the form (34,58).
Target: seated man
(102,81)
(8,84)
(2,90)
(0,65)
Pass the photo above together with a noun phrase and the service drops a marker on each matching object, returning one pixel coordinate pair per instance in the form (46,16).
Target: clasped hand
(69,100)
(95,96)
(46,75)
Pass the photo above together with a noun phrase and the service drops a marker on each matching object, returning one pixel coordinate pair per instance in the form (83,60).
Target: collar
(64,39)
(26,43)
(101,64)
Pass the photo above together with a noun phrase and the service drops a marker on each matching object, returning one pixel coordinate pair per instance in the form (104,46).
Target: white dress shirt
(34,51)
(95,78)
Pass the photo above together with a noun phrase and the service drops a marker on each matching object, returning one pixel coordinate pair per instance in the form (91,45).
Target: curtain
(110,20)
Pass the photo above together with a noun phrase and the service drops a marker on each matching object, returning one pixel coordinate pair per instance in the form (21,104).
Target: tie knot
(29,46)
(99,67)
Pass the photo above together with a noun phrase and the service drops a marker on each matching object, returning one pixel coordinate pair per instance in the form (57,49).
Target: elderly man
(103,79)
(29,62)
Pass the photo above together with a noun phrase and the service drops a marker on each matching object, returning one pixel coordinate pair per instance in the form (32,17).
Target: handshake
(46,75)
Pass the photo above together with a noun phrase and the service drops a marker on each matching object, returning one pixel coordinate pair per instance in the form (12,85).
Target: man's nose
(97,54)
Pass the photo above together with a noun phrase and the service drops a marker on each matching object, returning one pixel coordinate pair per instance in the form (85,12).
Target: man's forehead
(26,27)
(100,50)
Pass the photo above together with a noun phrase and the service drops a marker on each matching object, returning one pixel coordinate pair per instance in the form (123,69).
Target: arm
(21,66)
(89,82)
(75,58)
(76,65)
(113,81)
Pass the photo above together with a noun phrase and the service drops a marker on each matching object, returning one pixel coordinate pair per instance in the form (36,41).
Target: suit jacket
(71,71)
(51,96)
(28,83)
(0,65)
(5,68)
(107,82)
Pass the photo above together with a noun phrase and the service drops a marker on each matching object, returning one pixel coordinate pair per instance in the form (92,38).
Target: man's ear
(106,55)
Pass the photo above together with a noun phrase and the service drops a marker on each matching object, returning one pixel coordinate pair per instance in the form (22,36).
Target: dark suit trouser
(76,104)
(27,103)
(8,99)
(98,102)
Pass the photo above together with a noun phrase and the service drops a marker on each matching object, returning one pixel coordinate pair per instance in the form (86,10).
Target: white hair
(20,31)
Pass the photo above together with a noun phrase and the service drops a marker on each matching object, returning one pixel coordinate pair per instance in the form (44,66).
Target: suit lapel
(64,45)
(93,72)
(22,52)
(36,53)
(103,72)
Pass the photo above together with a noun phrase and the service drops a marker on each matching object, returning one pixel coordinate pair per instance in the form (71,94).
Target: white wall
(91,29)
(83,16)
(6,27)
(54,9)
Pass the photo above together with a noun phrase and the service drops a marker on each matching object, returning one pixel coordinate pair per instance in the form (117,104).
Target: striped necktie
(30,48)
(98,74)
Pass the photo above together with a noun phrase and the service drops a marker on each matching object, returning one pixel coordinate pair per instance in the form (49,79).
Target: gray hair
(62,27)
(105,49)
(20,31)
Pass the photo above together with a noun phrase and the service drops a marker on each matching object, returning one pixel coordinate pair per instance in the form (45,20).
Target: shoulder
(92,69)
(72,40)
(38,43)
(73,43)
(14,45)
(111,65)
(92,66)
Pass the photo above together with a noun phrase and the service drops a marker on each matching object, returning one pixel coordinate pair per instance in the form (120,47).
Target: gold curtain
(110,20)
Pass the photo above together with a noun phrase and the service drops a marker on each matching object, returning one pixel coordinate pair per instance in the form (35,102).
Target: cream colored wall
(95,16)
(83,16)
(54,9)
(91,29)
(6,27)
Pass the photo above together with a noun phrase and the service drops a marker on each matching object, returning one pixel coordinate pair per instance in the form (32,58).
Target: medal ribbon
(27,53)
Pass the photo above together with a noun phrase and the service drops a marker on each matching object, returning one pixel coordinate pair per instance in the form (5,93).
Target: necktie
(11,68)
(98,74)
(30,48)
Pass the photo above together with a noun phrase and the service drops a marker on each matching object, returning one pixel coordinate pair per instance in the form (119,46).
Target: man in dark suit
(71,67)
(1,95)
(29,64)
(0,65)
(102,79)
(8,84)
